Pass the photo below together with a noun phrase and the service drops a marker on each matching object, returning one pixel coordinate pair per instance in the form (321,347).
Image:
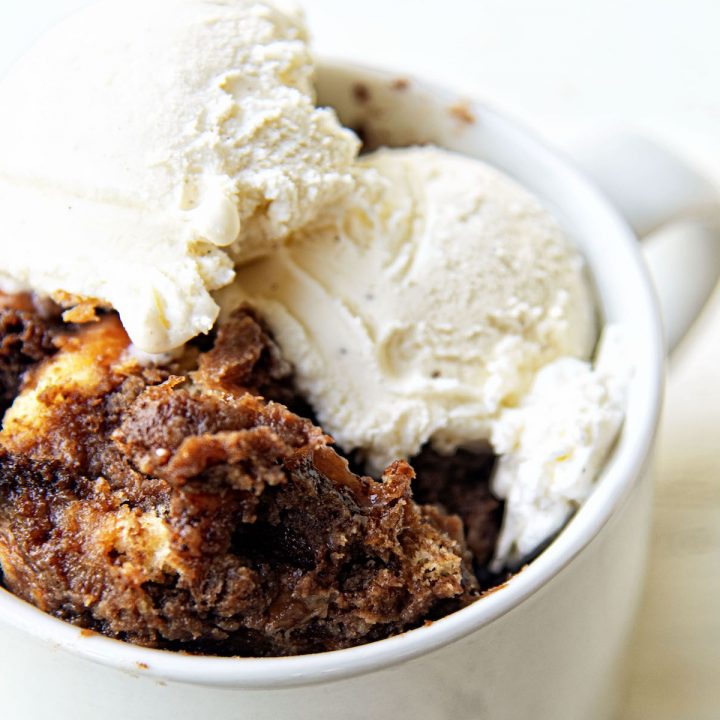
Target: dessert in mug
(262,395)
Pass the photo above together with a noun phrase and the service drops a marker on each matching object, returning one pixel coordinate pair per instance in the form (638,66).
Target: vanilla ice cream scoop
(147,146)
(424,305)
(554,443)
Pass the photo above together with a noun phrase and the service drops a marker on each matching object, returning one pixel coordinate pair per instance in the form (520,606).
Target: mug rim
(614,484)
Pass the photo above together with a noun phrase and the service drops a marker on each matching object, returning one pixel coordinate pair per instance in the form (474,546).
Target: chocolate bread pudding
(185,506)
(281,379)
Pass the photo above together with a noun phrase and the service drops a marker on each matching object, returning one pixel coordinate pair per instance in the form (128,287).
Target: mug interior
(391,110)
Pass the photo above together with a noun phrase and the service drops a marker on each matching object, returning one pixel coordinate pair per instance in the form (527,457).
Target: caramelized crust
(176,508)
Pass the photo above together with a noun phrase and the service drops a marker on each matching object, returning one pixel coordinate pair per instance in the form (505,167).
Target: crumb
(361,92)
(461,111)
(85,312)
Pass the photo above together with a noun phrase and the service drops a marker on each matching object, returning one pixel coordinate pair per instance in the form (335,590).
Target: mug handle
(652,188)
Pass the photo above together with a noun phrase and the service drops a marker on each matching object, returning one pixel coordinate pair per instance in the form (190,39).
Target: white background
(564,68)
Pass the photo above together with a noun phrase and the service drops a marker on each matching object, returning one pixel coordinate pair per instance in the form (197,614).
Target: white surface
(563,67)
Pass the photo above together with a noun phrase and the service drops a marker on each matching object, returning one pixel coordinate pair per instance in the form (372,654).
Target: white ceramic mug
(547,645)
